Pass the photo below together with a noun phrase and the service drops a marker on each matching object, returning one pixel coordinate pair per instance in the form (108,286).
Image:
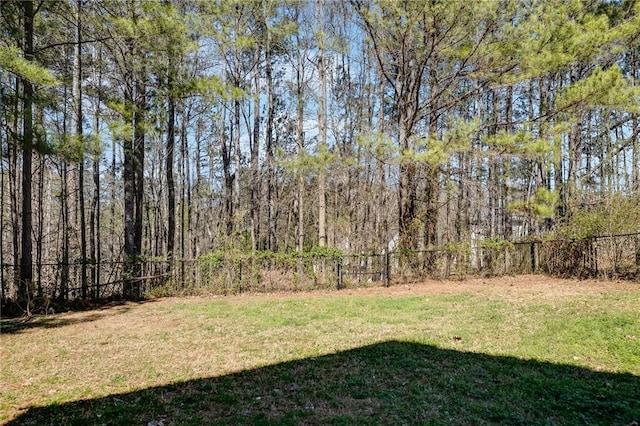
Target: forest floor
(517,350)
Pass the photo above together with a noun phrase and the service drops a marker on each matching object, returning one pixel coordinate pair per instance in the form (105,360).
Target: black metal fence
(615,256)
(607,256)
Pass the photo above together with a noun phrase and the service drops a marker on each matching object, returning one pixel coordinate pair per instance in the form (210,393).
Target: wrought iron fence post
(182,272)
(595,254)
(387,269)
(532,250)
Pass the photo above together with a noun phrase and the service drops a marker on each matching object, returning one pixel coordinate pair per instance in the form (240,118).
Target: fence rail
(613,256)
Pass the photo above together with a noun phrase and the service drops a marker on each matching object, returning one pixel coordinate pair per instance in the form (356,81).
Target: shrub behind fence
(603,256)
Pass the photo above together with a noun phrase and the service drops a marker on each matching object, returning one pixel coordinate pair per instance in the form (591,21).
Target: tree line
(170,129)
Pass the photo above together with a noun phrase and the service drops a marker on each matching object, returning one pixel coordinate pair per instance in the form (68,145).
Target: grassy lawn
(521,350)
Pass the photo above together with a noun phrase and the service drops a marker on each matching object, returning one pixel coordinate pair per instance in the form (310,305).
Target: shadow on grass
(87,313)
(386,383)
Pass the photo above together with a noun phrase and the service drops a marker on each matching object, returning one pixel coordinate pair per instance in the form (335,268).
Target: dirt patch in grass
(511,288)
(529,284)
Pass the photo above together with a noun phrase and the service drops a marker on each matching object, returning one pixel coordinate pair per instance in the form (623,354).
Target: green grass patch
(485,357)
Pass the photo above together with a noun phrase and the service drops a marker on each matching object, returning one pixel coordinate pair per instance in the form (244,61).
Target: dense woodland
(171,129)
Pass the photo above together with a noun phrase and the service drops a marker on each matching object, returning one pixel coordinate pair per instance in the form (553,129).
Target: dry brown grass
(123,348)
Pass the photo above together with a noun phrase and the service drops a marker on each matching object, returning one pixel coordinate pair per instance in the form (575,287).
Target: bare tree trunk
(559,183)
(575,153)
(383,221)
(94,218)
(300,147)
(635,157)
(77,96)
(322,129)
(635,154)
(463,202)
(237,154)
(271,183)
(26,267)
(40,232)
(506,213)
(493,177)
(431,172)
(187,187)
(135,98)
(228,179)
(183,197)
(255,151)
(3,289)
(139,140)
(64,224)
(129,177)
(112,204)
(171,191)
(13,189)
(195,244)
(406,190)
(544,177)
(236,71)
